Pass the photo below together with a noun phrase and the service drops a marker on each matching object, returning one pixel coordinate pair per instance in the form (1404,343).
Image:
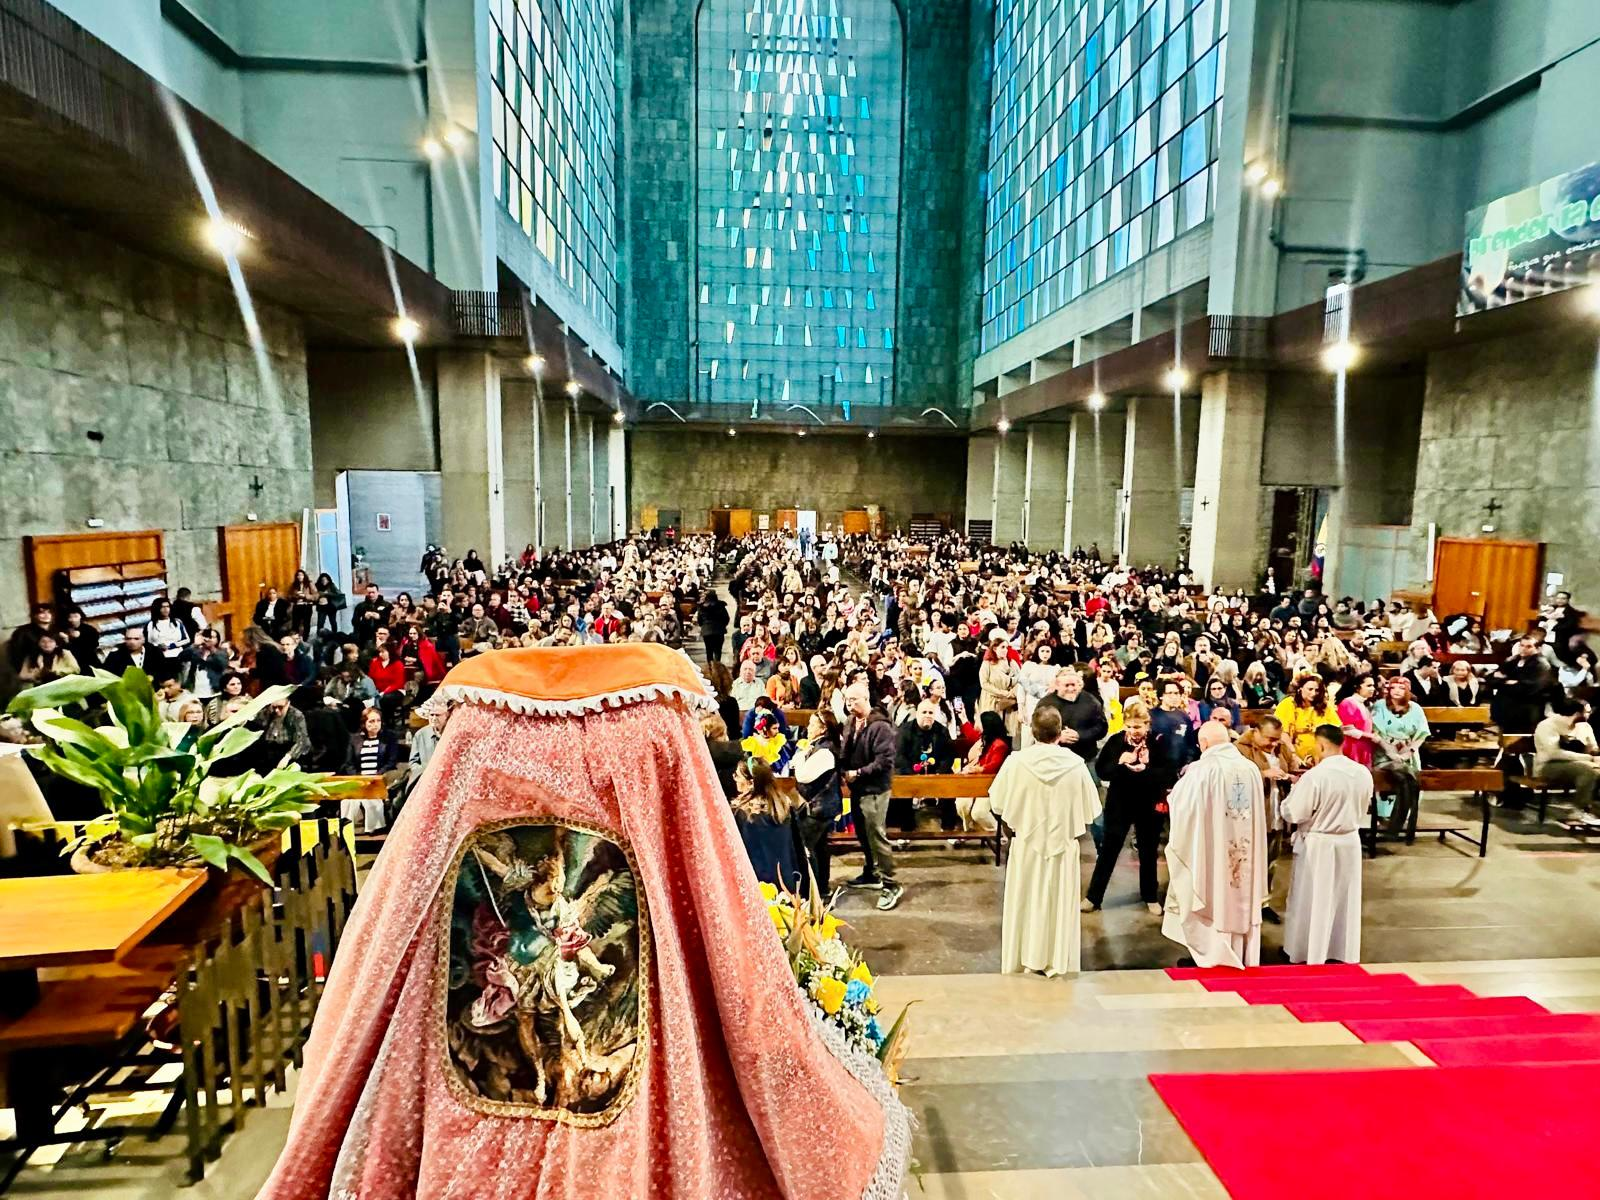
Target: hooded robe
(561,981)
(1045,794)
(1217,860)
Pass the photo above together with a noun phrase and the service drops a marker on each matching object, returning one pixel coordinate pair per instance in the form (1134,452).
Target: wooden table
(74,920)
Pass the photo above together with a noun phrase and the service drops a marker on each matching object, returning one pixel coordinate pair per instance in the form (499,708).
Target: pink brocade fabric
(738,1095)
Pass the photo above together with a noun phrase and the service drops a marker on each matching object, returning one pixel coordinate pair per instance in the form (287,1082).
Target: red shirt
(389,678)
(990,762)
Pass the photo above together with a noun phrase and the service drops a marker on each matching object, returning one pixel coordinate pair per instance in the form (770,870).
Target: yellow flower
(830,925)
(778,922)
(769,891)
(829,993)
(861,973)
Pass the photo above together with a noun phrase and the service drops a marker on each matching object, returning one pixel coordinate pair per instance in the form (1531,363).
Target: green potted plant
(164,806)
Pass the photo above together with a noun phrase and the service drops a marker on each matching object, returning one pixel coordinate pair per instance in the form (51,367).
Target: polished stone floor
(1026,1088)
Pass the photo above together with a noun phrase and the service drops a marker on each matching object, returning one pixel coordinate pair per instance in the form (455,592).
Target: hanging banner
(1540,240)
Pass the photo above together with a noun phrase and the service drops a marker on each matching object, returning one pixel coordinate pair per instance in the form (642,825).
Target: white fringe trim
(512,702)
(888,1180)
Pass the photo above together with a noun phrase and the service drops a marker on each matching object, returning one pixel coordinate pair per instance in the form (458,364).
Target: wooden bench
(1517,749)
(1483,782)
(934,787)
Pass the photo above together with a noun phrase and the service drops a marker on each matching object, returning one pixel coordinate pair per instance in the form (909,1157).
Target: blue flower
(874,1032)
(857,992)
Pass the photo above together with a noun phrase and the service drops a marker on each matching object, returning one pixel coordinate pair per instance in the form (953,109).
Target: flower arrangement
(834,978)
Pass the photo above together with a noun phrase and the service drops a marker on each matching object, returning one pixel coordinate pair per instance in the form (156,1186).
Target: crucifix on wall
(256,486)
(1204,504)
(1490,509)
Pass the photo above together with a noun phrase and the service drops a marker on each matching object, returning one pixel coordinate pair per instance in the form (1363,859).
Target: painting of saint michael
(545,980)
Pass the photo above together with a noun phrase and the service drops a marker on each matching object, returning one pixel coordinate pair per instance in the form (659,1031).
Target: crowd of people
(914,659)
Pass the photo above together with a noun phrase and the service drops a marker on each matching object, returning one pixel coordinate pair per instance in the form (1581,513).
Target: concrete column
(1047,485)
(553,470)
(980,476)
(536,405)
(582,480)
(1227,486)
(566,412)
(517,409)
(1009,486)
(471,459)
(1094,476)
(617,473)
(1153,478)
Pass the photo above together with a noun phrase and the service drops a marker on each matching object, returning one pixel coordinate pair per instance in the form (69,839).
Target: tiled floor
(1026,1088)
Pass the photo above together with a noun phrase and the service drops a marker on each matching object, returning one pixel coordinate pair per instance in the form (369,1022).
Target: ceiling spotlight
(1176,379)
(573,387)
(1270,189)
(225,237)
(1003,425)
(432,148)
(732,432)
(1590,296)
(871,433)
(618,417)
(1340,356)
(455,137)
(407,330)
(1097,401)
(1255,172)
(535,362)
(801,432)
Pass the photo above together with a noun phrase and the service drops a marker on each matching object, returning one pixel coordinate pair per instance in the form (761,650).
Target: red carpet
(1287,971)
(1427,1133)
(1329,983)
(1408,1029)
(1293,993)
(1350,1010)
(1520,1048)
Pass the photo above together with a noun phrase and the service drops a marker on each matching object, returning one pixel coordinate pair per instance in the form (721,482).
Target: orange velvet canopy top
(567,680)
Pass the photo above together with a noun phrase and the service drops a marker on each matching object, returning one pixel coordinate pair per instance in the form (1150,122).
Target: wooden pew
(933,787)
(1483,782)
(1517,750)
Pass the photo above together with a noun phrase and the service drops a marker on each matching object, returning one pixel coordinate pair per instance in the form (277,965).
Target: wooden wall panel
(740,522)
(253,558)
(855,520)
(44,556)
(1499,580)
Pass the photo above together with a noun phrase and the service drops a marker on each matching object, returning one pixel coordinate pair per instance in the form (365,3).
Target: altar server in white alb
(1046,795)
(1327,808)
(1217,855)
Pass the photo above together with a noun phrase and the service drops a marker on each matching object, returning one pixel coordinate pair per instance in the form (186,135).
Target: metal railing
(1240,337)
(489,314)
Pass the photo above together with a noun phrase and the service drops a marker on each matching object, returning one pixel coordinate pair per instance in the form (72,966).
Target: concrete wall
(95,338)
(1405,115)
(1494,429)
(369,412)
(696,471)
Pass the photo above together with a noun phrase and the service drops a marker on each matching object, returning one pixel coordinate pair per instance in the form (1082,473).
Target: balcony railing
(1240,337)
(489,314)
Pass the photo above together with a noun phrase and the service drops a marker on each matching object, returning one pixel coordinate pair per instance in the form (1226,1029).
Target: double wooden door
(1496,580)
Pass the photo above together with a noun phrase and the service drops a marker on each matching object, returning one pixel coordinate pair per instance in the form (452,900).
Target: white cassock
(1327,807)
(1217,860)
(1046,795)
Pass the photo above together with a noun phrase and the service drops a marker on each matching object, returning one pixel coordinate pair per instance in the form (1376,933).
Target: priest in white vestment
(1327,808)
(1047,797)
(1217,855)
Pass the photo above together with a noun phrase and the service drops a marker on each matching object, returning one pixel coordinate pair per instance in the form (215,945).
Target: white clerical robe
(1046,796)
(1217,860)
(1328,807)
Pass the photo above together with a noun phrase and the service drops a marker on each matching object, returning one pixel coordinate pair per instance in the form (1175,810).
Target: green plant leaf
(250,863)
(133,706)
(77,772)
(233,742)
(74,689)
(53,724)
(212,849)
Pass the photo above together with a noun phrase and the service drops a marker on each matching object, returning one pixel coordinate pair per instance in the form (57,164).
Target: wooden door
(717,522)
(738,522)
(787,518)
(1497,579)
(253,558)
(854,520)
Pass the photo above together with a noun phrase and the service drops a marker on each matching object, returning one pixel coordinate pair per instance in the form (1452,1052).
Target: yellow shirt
(1299,724)
(1113,717)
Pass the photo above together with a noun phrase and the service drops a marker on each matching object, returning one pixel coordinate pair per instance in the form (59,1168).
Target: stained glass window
(1103,124)
(797,198)
(553,117)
